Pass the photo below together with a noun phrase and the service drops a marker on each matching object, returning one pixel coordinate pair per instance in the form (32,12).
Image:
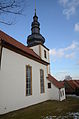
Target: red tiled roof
(17,44)
(55,82)
(8,39)
(73,83)
(77,81)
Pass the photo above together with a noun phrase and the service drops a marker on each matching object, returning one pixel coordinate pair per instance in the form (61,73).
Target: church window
(41,81)
(45,54)
(28,80)
(49,85)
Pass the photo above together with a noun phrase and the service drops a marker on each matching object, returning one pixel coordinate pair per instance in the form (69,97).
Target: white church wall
(13,82)
(39,50)
(42,54)
(48,69)
(0,49)
(36,49)
(53,92)
(0,52)
(62,94)
(56,93)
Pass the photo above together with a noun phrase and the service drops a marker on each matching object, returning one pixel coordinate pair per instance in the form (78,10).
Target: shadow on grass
(46,110)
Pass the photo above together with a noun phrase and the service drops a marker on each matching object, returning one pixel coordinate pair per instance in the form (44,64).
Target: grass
(71,104)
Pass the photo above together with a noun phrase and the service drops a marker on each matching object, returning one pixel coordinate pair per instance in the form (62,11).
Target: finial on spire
(35,12)
(35,7)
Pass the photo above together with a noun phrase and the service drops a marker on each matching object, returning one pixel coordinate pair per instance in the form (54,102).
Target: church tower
(35,38)
(36,41)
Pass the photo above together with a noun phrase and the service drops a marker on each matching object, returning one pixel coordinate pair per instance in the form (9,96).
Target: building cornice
(21,52)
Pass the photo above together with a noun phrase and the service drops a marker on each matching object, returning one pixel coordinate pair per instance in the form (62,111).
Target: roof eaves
(20,51)
(55,82)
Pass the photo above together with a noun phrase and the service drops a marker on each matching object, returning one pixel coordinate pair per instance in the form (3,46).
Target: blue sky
(59,23)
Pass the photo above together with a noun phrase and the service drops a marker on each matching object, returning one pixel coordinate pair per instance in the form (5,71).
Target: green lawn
(53,108)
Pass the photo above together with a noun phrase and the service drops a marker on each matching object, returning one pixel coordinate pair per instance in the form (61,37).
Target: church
(25,77)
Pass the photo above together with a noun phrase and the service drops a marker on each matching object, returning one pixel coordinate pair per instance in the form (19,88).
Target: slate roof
(6,39)
(55,82)
(35,38)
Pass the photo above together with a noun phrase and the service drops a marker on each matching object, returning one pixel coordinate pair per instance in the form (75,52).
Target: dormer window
(45,56)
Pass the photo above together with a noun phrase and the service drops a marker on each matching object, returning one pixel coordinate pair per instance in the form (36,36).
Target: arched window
(41,81)
(28,80)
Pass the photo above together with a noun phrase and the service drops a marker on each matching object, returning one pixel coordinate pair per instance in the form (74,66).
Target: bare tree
(8,8)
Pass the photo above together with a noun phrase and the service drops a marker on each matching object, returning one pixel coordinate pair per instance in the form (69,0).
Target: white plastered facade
(13,80)
(55,93)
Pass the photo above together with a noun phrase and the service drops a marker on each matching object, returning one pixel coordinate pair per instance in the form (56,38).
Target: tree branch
(13,12)
(3,22)
(7,6)
(10,7)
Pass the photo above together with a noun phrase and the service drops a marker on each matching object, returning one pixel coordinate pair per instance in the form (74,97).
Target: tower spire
(35,38)
(35,7)
(35,11)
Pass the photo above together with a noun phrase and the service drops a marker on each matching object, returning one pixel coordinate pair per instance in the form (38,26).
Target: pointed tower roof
(35,38)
